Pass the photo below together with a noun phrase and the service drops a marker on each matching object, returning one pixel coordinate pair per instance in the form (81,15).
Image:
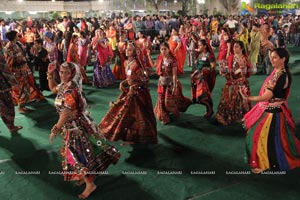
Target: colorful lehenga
(232,106)
(112,38)
(143,44)
(271,142)
(203,81)
(52,50)
(25,90)
(223,49)
(118,70)
(103,76)
(7,110)
(84,151)
(166,102)
(131,117)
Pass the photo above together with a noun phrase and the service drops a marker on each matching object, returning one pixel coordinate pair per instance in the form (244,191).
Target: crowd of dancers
(61,51)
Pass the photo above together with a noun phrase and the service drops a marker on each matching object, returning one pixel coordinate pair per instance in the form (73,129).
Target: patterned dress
(271,142)
(143,44)
(103,76)
(119,68)
(232,106)
(83,148)
(7,110)
(166,102)
(203,81)
(131,117)
(52,50)
(223,49)
(25,90)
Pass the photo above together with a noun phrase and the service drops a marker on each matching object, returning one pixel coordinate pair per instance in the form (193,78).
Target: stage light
(201,1)
(8,12)
(32,12)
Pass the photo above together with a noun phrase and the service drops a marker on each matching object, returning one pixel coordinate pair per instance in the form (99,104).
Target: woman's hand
(243,91)
(174,88)
(51,67)
(241,61)
(148,50)
(132,90)
(124,86)
(237,71)
(54,132)
(52,136)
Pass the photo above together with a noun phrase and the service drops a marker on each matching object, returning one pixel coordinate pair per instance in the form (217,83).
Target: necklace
(129,63)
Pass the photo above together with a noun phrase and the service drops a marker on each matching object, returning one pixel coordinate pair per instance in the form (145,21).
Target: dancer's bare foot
(79,182)
(257,170)
(87,191)
(208,115)
(165,122)
(14,129)
(23,110)
(126,143)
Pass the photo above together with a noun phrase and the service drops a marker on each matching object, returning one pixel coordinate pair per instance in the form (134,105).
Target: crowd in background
(122,48)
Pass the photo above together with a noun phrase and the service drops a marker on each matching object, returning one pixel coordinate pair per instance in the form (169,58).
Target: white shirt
(231,23)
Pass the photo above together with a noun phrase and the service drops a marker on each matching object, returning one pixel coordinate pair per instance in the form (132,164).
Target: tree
(156,4)
(55,15)
(232,6)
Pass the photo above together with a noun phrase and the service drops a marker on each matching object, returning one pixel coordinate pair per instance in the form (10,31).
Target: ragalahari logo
(246,8)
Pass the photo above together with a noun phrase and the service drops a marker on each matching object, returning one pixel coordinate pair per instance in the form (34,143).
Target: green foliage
(55,15)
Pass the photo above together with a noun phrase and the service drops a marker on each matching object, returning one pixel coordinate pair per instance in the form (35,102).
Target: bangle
(49,76)
(55,89)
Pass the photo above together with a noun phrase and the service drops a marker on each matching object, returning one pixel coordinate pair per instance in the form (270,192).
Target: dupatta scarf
(257,111)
